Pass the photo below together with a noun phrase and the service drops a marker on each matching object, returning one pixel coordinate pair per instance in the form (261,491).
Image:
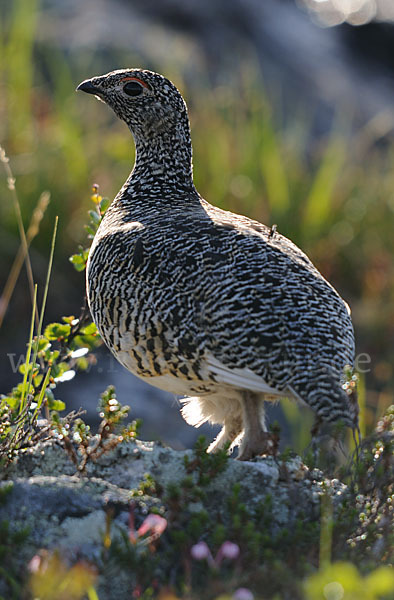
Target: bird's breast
(141,309)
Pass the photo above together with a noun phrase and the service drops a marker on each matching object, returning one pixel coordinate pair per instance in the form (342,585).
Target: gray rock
(67,512)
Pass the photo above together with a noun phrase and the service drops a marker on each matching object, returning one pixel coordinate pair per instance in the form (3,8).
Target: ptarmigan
(202,302)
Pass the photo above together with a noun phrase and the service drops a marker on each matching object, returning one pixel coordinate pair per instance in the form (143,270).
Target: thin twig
(31,233)
(11,186)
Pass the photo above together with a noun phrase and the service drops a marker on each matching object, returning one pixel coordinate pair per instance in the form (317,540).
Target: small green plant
(81,446)
(368,512)
(206,466)
(95,217)
(53,356)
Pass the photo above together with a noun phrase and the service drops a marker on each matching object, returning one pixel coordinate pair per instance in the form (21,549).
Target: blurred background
(292,112)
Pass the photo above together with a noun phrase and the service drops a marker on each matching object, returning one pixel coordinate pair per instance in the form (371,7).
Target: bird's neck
(164,162)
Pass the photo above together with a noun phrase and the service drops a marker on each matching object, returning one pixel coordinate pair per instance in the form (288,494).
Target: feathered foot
(256,440)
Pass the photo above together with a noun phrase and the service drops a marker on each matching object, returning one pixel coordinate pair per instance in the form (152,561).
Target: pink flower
(200,551)
(243,594)
(35,564)
(153,523)
(229,550)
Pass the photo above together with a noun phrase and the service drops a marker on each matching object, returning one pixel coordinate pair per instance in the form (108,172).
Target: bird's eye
(133,88)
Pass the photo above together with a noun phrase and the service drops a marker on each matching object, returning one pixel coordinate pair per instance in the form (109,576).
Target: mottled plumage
(202,302)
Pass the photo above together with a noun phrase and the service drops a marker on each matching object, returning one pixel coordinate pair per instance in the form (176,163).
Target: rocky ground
(139,518)
(67,512)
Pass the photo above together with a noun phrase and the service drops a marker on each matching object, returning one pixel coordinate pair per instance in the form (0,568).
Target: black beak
(88,87)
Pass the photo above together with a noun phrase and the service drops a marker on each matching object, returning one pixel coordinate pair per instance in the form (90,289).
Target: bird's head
(148,102)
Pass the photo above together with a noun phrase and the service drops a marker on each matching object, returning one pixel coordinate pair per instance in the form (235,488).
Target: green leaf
(90,230)
(51,356)
(25,368)
(104,204)
(78,261)
(57,331)
(57,405)
(42,343)
(89,329)
(95,217)
(23,388)
(58,370)
(88,341)
(37,379)
(70,319)
(82,363)
(11,401)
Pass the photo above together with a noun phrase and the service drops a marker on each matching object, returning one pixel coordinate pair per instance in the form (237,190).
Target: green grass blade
(326,527)
(92,594)
(49,271)
(19,66)
(274,170)
(300,421)
(42,393)
(44,299)
(28,353)
(70,137)
(319,202)
(18,213)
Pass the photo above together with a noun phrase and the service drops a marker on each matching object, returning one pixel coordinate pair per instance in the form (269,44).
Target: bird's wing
(240,378)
